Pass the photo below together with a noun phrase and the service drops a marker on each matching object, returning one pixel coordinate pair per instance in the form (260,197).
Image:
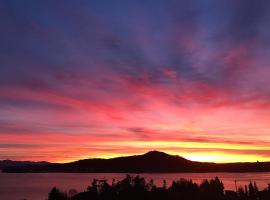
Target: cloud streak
(79,77)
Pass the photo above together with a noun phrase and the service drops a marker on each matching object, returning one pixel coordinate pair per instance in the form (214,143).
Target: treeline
(137,188)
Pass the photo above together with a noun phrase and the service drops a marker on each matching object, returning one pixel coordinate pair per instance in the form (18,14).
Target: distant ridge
(150,162)
(11,163)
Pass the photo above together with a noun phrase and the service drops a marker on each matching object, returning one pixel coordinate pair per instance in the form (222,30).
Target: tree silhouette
(137,188)
(55,194)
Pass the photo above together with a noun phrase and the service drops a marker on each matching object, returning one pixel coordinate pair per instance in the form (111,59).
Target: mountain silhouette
(11,163)
(150,162)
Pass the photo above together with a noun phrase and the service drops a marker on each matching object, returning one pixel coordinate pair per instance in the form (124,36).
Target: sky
(83,79)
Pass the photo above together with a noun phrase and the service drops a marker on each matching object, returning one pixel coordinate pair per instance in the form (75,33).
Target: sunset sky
(82,79)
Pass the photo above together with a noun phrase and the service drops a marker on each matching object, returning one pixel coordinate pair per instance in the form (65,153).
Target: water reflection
(37,186)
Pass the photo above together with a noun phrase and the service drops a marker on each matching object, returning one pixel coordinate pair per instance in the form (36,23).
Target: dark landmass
(137,188)
(151,162)
(10,163)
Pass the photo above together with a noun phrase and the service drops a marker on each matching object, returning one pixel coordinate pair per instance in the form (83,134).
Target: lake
(36,186)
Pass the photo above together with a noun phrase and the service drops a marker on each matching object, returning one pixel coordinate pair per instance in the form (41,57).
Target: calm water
(36,186)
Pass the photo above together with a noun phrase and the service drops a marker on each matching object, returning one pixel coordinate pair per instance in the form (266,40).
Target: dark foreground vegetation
(136,188)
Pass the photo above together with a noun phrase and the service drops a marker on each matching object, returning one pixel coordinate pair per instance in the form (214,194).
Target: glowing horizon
(92,79)
(213,157)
